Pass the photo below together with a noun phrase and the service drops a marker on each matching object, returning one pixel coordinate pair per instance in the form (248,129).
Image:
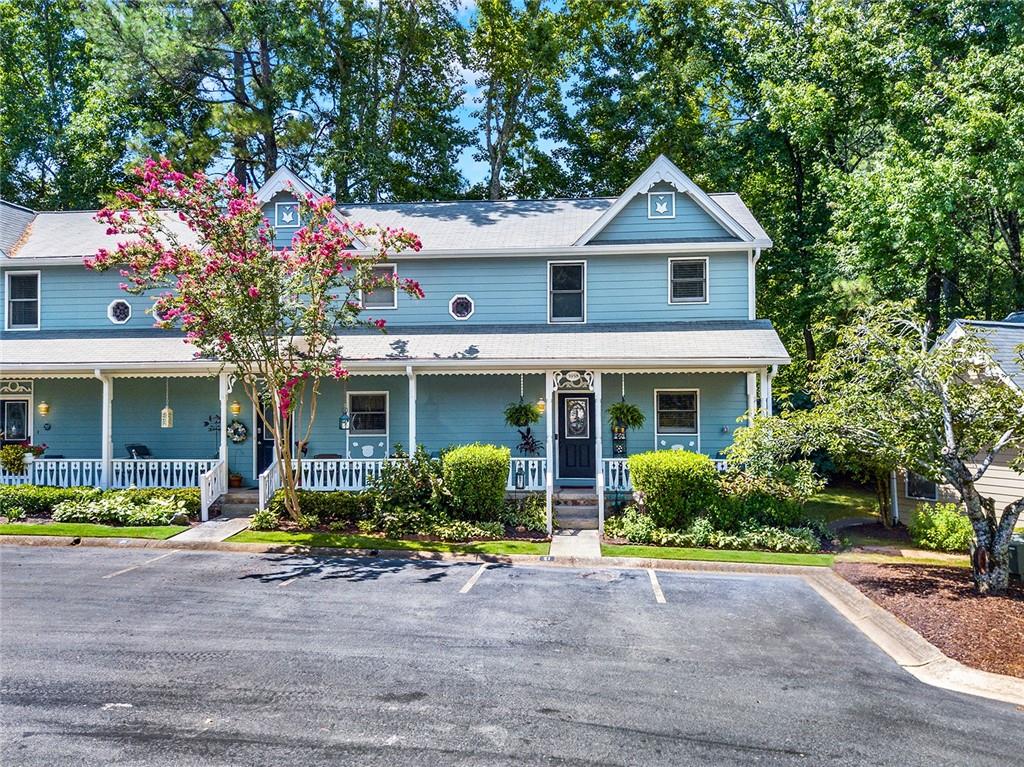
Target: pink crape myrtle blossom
(203,249)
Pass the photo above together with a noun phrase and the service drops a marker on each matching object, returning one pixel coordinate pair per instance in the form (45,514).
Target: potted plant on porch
(521,416)
(623,416)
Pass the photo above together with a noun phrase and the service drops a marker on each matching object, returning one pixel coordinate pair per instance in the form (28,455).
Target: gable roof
(663,169)
(1003,338)
(14,220)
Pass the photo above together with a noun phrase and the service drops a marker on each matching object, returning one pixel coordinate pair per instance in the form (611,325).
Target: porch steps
(575,509)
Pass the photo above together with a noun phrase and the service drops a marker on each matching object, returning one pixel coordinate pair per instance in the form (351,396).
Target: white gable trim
(283,180)
(663,169)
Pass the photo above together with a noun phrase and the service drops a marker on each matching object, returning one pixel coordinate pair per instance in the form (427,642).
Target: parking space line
(142,564)
(659,596)
(282,584)
(472,581)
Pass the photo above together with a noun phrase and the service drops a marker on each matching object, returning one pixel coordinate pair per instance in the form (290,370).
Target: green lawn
(834,503)
(85,530)
(717,555)
(886,559)
(343,541)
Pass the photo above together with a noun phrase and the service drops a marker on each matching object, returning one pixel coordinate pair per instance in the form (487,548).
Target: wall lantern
(343,422)
(520,477)
(542,405)
(44,408)
(167,415)
(236,408)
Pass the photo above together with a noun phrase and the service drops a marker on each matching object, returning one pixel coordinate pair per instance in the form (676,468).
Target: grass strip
(88,530)
(717,555)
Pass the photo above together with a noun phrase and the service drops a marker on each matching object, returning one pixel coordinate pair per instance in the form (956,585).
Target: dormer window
(22,291)
(661,205)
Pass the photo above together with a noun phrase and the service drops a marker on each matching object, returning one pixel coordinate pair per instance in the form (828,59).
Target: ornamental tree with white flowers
(271,316)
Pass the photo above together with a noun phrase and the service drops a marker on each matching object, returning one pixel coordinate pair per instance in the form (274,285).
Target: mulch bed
(940,604)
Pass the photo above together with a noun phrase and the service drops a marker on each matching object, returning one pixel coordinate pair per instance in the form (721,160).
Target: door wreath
(237,432)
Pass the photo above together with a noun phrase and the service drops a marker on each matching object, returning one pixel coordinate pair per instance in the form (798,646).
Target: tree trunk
(238,167)
(883,494)
(933,297)
(269,102)
(990,556)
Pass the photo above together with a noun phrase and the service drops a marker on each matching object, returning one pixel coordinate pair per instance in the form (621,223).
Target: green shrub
(188,496)
(265,519)
(459,530)
(941,528)
(475,477)
(15,514)
(38,500)
(333,506)
(119,509)
(749,499)
(633,525)
(530,512)
(674,486)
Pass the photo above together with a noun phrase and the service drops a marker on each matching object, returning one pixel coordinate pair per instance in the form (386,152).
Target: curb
(916,655)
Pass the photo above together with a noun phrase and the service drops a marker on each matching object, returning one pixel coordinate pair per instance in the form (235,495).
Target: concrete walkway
(576,544)
(217,529)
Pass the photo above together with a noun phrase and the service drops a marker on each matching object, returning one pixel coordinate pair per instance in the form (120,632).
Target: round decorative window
(461,307)
(119,312)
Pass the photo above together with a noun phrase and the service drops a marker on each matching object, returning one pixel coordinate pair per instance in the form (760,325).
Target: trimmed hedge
(674,486)
(40,501)
(332,506)
(476,476)
(748,499)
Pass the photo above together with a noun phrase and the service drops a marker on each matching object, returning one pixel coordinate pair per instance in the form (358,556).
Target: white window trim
(906,489)
(655,217)
(387,414)
(672,435)
(707,281)
(30,431)
(277,217)
(7,301)
(110,311)
(583,263)
(394,297)
(472,304)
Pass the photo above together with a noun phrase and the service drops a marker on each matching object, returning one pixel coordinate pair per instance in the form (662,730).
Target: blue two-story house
(573,304)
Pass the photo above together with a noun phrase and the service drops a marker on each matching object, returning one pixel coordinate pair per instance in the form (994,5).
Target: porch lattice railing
(616,473)
(159,472)
(212,485)
(58,472)
(533,471)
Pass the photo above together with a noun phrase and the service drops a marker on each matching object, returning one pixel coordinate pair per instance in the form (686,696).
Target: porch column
(412,408)
(765,396)
(599,449)
(751,397)
(106,429)
(549,417)
(771,377)
(225,388)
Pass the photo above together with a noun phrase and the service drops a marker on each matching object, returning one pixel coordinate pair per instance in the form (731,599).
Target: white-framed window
(661,205)
(383,298)
(567,291)
(286,215)
(119,311)
(688,280)
(461,307)
(22,292)
(677,419)
(921,488)
(15,420)
(368,413)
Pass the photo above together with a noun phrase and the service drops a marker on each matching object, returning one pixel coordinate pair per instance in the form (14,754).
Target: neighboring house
(571,303)
(1000,482)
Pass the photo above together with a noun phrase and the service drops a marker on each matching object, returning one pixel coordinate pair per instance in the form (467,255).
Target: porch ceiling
(721,345)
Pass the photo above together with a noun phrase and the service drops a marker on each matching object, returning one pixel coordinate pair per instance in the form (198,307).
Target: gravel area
(940,604)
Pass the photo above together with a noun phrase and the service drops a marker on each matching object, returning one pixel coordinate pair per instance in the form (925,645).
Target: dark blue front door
(576,438)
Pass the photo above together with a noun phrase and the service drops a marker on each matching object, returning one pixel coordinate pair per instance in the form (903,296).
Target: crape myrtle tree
(940,410)
(271,316)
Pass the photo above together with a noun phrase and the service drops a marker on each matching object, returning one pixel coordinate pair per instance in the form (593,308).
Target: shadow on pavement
(353,569)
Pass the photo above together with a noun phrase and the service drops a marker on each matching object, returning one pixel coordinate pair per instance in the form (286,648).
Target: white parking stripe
(472,581)
(143,564)
(282,584)
(659,596)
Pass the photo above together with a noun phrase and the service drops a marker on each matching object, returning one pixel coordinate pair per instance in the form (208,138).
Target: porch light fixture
(343,422)
(520,477)
(542,405)
(167,414)
(236,408)
(44,408)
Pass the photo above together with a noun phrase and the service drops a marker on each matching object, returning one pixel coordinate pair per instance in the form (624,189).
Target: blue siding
(74,419)
(723,400)
(282,236)
(136,416)
(456,410)
(326,437)
(691,223)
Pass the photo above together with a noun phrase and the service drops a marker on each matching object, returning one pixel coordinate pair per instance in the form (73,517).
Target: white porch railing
(533,469)
(270,483)
(212,485)
(58,472)
(616,473)
(324,474)
(158,472)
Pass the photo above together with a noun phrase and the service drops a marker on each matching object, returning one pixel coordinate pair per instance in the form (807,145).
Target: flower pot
(234,480)
(27,459)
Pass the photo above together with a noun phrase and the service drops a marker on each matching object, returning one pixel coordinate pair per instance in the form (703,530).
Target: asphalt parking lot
(150,657)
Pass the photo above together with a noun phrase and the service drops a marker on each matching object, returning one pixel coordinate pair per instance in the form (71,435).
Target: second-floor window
(567,282)
(382,298)
(22,300)
(687,280)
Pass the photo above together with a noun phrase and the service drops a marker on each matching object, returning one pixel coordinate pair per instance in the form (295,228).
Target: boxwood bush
(674,486)
(749,499)
(941,528)
(475,477)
